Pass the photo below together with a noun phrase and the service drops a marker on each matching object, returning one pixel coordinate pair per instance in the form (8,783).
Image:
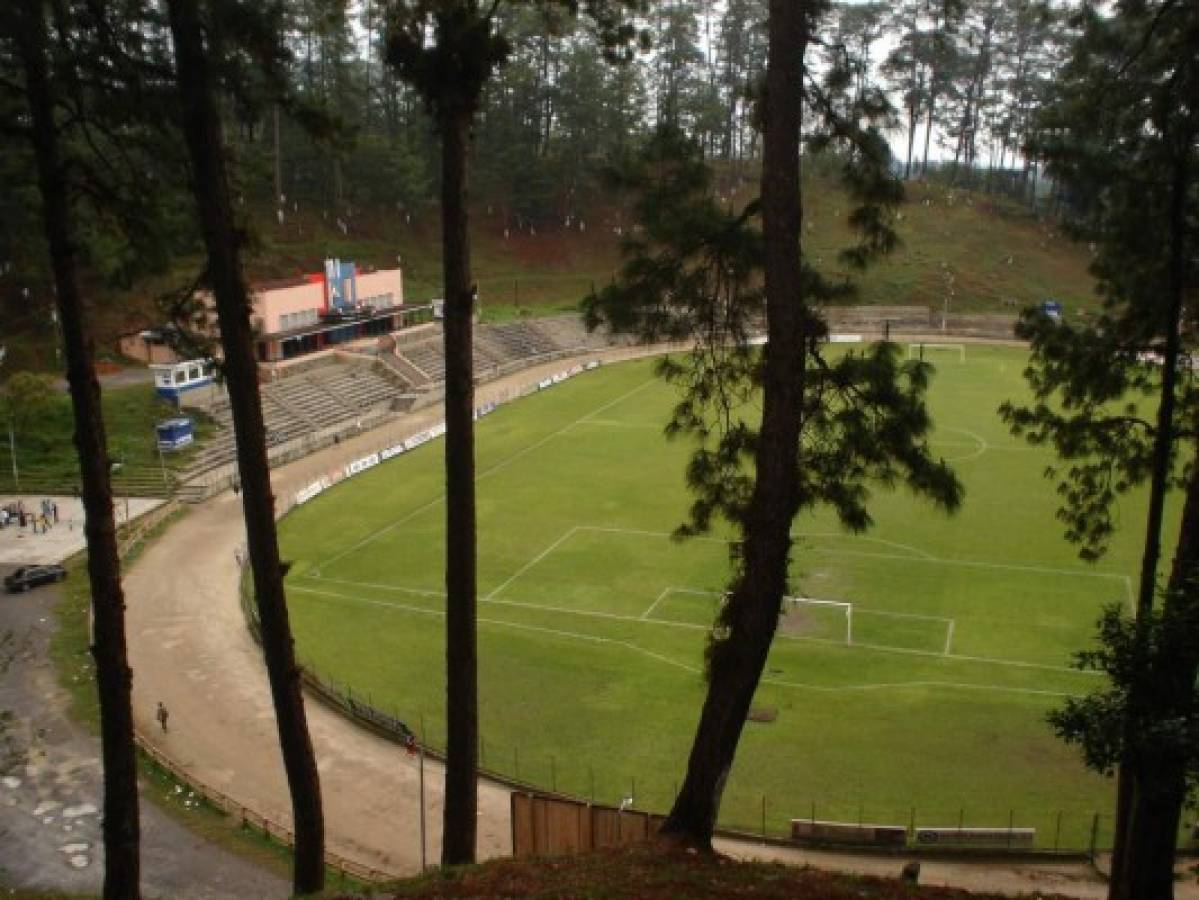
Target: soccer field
(919,691)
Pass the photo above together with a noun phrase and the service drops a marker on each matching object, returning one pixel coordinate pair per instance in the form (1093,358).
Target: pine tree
(197,33)
(449,52)
(1120,131)
(829,426)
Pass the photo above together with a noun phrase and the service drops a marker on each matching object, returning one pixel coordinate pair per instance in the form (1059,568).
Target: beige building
(305,314)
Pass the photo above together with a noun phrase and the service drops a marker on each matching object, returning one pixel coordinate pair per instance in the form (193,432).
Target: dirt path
(189,648)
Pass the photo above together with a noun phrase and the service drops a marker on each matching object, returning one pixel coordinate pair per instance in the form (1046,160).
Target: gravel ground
(50,788)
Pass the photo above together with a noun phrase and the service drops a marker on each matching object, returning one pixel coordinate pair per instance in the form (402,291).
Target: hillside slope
(989,255)
(984,254)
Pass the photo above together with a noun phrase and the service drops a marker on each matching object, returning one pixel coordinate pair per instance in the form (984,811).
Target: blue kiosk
(175,433)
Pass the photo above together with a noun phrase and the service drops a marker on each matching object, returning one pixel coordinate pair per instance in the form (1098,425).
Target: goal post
(831,612)
(921,348)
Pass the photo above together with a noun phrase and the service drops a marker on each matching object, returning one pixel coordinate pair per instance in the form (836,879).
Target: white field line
(691,626)
(637,532)
(860,610)
(502,464)
(616,423)
(924,556)
(502,623)
(595,639)
(915,551)
(532,562)
(980,445)
(422,592)
(950,625)
(654,605)
(975,564)
(516,604)
(703,538)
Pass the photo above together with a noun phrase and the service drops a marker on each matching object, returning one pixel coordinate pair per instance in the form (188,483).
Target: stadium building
(297,316)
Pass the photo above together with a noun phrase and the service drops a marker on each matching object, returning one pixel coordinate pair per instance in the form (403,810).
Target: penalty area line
(502,464)
(673,663)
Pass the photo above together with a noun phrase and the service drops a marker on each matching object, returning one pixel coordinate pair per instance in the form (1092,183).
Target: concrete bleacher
(329,394)
(427,356)
(517,340)
(499,348)
(569,334)
(333,396)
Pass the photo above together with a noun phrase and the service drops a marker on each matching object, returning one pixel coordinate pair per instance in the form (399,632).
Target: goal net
(921,350)
(824,620)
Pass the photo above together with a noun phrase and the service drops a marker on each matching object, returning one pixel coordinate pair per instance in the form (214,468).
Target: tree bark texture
(121,828)
(202,132)
(1152,784)
(751,616)
(462,737)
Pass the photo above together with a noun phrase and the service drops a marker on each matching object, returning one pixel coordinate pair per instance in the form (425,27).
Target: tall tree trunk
(1152,788)
(912,121)
(928,132)
(1156,777)
(210,185)
(460,825)
(121,828)
(278,160)
(751,615)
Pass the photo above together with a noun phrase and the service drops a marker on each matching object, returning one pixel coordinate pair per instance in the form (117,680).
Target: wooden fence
(544,825)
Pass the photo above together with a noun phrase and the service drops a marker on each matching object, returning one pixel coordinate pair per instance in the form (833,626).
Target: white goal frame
(916,348)
(812,601)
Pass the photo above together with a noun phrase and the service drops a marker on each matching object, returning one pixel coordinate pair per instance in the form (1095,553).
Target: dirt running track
(189,648)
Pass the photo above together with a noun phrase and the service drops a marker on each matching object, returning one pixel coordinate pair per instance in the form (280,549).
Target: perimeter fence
(976,824)
(252,820)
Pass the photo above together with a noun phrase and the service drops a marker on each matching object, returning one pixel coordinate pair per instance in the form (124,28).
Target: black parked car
(31,576)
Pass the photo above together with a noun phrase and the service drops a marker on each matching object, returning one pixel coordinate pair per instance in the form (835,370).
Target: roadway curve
(189,648)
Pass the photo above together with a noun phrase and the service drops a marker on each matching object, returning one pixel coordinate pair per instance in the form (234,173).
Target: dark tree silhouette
(25,23)
(195,36)
(449,73)
(829,426)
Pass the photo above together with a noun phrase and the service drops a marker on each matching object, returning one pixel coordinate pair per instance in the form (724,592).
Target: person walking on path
(162,715)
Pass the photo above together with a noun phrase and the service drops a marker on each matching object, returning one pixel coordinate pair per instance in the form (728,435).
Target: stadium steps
(520,340)
(566,333)
(408,373)
(291,407)
(144,481)
(427,357)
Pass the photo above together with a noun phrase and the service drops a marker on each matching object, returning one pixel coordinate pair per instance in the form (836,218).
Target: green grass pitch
(593,621)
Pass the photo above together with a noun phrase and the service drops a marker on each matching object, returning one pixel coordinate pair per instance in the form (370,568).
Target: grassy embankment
(45,449)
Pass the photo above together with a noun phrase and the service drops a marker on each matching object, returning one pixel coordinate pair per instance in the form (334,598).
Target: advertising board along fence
(819,831)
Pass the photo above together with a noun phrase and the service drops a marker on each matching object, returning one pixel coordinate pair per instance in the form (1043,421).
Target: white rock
(10,782)
(80,861)
(74,849)
(83,809)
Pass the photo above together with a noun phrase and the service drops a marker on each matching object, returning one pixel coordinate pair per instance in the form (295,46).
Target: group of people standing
(16,514)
